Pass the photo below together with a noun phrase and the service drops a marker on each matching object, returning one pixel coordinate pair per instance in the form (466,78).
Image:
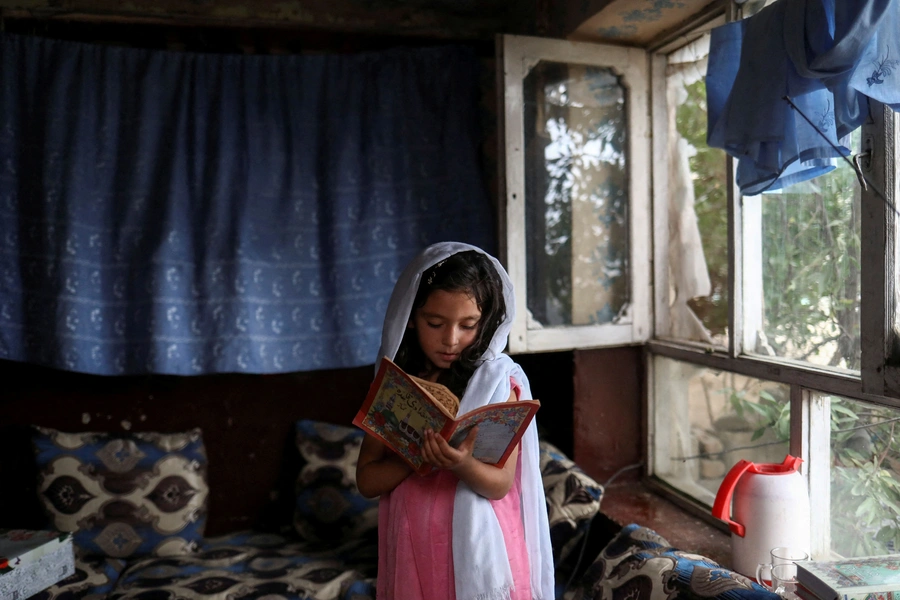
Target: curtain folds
(828,56)
(183,213)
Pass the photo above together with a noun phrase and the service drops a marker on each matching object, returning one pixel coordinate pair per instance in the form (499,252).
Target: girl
(467,530)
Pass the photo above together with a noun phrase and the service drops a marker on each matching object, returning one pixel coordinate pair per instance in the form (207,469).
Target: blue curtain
(184,213)
(827,56)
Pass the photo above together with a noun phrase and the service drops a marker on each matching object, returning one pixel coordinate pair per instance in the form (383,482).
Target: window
(577,194)
(775,329)
(775,322)
(692,239)
(863,518)
(712,418)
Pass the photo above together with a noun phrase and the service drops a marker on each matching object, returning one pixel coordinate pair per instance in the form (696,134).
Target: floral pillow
(329,507)
(124,495)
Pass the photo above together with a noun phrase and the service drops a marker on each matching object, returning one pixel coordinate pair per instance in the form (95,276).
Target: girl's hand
(488,480)
(442,455)
(378,469)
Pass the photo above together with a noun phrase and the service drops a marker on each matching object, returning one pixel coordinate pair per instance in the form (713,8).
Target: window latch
(857,167)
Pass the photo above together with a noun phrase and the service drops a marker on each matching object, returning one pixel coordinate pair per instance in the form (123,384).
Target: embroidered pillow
(329,507)
(573,498)
(639,563)
(124,494)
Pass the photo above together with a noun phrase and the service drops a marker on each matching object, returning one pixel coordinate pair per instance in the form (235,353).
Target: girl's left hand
(442,455)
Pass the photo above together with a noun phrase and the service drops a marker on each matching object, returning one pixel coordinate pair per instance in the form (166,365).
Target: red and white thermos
(766,506)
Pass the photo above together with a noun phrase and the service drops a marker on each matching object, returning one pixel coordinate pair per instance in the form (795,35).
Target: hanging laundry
(827,56)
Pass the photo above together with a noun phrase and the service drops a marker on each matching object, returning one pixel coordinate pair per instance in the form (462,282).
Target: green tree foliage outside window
(811,302)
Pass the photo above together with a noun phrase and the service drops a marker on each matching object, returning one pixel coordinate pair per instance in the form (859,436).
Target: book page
(441,393)
(496,429)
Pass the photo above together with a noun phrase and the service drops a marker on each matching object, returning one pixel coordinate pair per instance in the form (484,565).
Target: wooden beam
(428,19)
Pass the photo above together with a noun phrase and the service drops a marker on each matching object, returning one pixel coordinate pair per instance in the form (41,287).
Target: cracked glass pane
(865,489)
(698,207)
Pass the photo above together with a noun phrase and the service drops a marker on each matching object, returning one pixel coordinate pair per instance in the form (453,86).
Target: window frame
(878,381)
(516,54)
(880,378)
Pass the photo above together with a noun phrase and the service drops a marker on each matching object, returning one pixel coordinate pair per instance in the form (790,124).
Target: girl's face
(446,325)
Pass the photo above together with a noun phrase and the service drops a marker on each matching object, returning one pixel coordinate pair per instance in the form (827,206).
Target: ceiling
(633,22)
(637,22)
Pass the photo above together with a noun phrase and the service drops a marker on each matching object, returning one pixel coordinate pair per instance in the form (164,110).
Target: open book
(400,407)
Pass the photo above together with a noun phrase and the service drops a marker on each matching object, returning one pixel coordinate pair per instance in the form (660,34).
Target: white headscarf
(479,553)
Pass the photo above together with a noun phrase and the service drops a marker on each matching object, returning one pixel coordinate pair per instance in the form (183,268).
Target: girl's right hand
(488,480)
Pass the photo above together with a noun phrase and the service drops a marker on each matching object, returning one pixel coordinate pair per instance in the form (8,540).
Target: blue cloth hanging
(827,56)
(184,213)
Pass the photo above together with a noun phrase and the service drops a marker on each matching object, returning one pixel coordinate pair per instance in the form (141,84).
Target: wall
(608,420)
(246,420)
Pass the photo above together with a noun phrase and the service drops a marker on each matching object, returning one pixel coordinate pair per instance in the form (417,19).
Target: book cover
(400,407)
(863,578)
(805,594)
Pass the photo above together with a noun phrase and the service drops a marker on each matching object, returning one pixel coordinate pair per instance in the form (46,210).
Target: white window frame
(878,382)
(517,55)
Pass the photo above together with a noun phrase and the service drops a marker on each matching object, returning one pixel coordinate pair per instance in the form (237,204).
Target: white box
(32,561)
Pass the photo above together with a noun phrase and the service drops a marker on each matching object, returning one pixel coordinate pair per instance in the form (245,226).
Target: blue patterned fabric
(573,500)
(94,578)
(639,564)
(256,566)
(828,56)
(124,495)
(185,213)
(329,507)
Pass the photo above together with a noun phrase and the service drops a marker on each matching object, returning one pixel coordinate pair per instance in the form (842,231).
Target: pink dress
(415,552)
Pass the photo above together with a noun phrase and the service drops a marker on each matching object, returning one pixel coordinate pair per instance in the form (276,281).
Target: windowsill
(634,502)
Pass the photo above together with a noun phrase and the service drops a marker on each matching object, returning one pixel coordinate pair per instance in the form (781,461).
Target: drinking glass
(784,581)
(780,556)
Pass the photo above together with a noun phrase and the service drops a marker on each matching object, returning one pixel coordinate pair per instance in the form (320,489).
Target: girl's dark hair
(470,272)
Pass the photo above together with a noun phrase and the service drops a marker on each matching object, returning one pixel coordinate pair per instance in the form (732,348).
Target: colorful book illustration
(864,578)
(400,407)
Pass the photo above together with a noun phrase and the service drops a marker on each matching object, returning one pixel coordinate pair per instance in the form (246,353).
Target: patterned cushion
(124,494)
(573,498)
(639,564)
(329,508)
(256,566)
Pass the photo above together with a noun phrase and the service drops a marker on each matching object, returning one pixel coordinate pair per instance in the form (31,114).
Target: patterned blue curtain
(184,213)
